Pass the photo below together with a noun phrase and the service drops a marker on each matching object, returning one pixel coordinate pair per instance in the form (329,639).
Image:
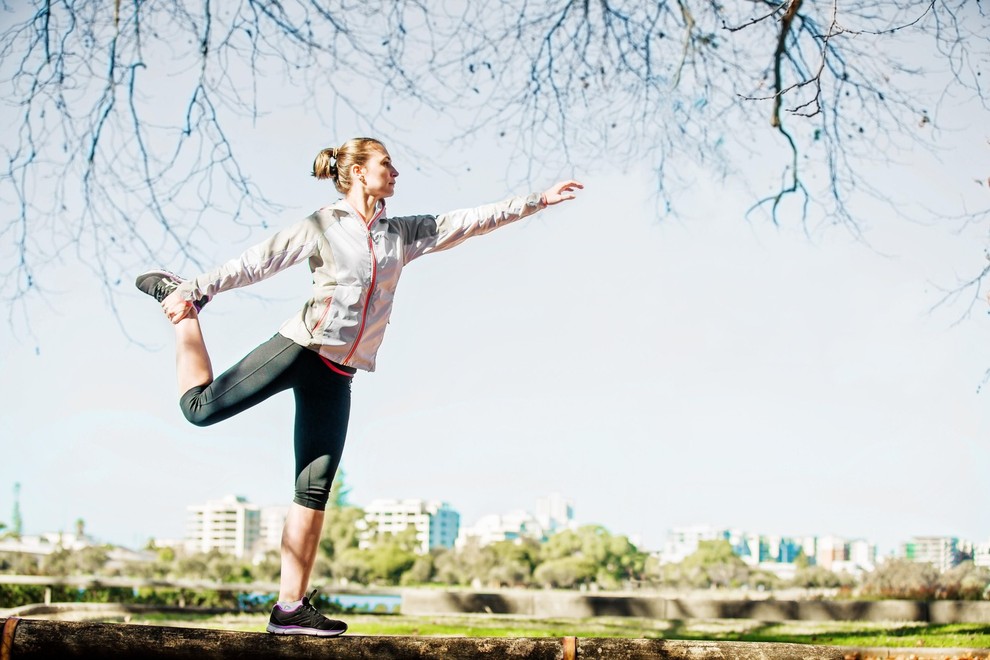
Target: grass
(830,633)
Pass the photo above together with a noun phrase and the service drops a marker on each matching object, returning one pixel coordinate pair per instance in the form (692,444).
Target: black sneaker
(304,620)
(160,283)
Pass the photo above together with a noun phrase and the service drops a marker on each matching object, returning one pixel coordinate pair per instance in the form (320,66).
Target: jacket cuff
(535,201)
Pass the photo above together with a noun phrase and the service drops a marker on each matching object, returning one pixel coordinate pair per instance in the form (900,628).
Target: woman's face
(379,175)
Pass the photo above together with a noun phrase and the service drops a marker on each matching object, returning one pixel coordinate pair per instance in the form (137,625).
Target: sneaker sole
(286,630)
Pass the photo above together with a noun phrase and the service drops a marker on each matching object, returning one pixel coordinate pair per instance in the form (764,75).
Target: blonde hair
(336,162)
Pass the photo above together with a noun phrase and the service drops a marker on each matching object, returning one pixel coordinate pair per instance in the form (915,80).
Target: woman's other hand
(176,308)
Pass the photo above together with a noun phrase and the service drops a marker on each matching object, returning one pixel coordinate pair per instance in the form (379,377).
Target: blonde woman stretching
(356,254)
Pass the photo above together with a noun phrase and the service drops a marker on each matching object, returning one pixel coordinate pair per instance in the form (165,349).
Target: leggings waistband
(341,369)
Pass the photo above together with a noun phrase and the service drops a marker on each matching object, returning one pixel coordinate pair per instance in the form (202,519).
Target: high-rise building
(830,550)
(496,527)
(682,542)
(554,513)
(436,524)
(230,525)
(942,552)
(981,554)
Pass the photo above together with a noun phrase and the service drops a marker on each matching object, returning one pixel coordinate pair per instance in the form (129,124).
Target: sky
(658,372)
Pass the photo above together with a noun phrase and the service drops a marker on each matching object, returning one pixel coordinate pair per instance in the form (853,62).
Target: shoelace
(162,289)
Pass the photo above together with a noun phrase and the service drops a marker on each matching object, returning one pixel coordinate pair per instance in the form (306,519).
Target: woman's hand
(176,308)
(561,192)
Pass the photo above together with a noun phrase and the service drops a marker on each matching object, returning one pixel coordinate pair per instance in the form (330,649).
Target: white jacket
(355,268)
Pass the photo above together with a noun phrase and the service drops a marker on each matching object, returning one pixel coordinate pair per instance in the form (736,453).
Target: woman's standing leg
(323,406)
(300,543)
(323,399)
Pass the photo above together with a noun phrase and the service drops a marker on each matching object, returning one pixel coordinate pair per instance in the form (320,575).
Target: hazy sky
(657,372)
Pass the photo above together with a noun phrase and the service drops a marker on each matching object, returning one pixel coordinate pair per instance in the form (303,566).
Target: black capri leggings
(323,405)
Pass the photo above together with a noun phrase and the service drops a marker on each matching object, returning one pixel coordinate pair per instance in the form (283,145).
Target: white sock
(288,606)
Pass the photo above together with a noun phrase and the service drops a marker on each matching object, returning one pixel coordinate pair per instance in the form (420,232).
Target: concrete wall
(548,604)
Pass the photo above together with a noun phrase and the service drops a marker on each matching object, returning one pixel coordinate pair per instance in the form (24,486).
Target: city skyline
(669,534)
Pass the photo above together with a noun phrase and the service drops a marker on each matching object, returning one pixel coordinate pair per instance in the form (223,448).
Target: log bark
(30,639)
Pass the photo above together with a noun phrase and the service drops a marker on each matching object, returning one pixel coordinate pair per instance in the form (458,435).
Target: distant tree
(816,577)
(166,554)
(514,562)
(902,578)
(90,560)
(340,529)
(351,565)
(391,555)
(119,116)
(58,563)
(966,581)
(565,561)
(269,567)
(565,572)
(763,580)
(421,572)
(20,563)
(713,564)
(590,554)
(469,564)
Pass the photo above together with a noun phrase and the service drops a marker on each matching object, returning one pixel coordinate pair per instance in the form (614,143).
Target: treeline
(588,558)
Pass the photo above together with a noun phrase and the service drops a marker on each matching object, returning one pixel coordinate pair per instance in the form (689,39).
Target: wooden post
(36,639)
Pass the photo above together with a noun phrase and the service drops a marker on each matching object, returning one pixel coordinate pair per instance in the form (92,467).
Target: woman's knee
(314,481)
(312,499)
(192,408)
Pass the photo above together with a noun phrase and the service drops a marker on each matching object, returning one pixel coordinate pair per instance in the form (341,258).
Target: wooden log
(30,639)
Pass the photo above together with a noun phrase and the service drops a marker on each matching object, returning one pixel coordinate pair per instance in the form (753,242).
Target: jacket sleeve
(282,250)
(426,234)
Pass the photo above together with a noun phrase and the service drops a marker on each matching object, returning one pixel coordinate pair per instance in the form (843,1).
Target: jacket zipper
(371,287)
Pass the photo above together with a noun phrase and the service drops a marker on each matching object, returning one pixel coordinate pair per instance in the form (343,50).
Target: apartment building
(942,552)
(436,523)
(554,513)
(496,527)
(231,525)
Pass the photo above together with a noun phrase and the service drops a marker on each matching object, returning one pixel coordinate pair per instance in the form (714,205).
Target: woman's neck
(364,204)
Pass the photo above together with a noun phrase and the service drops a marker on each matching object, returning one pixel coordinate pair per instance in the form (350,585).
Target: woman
(356,254)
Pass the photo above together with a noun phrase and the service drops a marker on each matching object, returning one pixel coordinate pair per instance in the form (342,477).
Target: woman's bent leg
(264,371)
(192,362)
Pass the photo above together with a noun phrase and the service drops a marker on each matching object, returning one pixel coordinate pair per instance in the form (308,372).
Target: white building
(863,555)
(830,550)
(501,527)
(436,524)
(981,554)
(270,531)
(554,513)
(230,525)
(942,552)
(682,542)
(45,544)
